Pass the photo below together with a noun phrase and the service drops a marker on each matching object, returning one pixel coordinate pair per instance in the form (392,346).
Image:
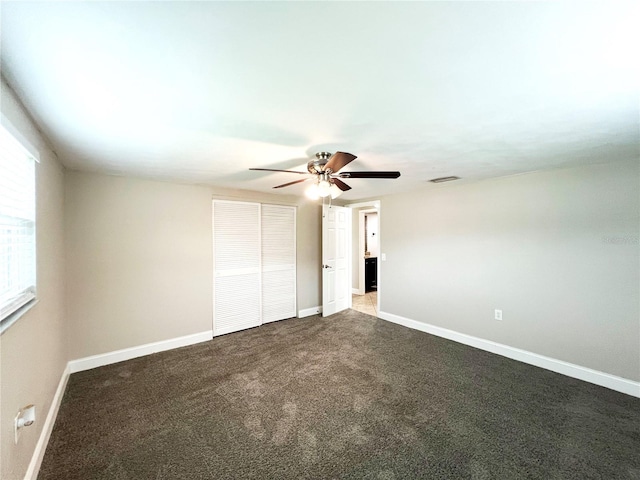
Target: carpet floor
(346,397)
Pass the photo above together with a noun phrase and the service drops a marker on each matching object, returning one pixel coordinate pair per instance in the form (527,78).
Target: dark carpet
(348,396)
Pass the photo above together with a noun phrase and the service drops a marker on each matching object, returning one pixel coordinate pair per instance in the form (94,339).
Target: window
(17,229)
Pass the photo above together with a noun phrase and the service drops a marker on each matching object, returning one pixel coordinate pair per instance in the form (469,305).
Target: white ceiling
(201,91)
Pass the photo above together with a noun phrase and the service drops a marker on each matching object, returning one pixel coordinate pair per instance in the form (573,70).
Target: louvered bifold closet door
(236,260)
(278,262)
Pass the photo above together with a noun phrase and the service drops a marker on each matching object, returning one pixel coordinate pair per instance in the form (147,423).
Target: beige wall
(140,265)
(33,351)
(557,251)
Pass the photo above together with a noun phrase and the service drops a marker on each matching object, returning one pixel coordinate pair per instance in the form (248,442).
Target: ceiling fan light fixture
(335,192)
(312,192)
(324,188)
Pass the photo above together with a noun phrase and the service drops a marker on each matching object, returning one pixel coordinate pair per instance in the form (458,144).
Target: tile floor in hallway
(367,303)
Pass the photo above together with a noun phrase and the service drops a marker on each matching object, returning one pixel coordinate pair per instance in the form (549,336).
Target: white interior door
(336,262)
(236,266)
(278,262)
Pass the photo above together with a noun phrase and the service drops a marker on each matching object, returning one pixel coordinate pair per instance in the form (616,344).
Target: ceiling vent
(444,179)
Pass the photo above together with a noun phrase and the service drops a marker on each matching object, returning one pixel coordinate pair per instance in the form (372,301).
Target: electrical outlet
(498,314)
(384,257)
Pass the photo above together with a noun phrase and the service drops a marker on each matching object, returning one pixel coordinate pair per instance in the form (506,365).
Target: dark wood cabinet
(370,274)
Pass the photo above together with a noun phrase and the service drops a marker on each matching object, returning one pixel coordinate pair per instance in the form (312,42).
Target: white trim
(362,288)
(355,291)
(47,428)
(603,379)
(361,259)
(376,207)
(108,358)
(375,203)
(307,312)
(12,318)
(17,134)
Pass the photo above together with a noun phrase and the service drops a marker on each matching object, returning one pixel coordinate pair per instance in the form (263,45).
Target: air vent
(444,179)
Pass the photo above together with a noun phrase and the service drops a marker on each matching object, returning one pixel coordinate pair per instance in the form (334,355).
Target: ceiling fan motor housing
(317,165)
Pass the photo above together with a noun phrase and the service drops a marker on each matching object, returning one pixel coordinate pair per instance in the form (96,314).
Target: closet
(254,264)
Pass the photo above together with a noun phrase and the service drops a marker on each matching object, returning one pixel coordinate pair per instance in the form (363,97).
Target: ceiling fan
(324,170)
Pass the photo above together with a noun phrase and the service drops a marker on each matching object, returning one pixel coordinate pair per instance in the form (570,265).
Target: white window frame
(20,206)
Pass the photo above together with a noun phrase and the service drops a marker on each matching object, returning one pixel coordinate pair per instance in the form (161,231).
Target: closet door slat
(237,266)
(278,262)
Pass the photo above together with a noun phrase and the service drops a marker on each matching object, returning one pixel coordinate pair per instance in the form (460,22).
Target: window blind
(17,225)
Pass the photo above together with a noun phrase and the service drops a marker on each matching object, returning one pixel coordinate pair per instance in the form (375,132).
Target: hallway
(367,303)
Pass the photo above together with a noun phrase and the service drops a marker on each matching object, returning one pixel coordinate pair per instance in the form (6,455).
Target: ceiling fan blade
(339,160)
(273,170)
(369,174)
(341,185)
(291,183)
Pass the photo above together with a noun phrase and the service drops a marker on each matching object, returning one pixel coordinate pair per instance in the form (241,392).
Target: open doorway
(366,257)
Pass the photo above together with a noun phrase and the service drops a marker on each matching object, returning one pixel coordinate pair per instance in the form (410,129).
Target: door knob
(326,266)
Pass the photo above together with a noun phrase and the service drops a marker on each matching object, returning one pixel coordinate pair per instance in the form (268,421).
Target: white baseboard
(307,312)
(47,428)
(108,358)
(613,382)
